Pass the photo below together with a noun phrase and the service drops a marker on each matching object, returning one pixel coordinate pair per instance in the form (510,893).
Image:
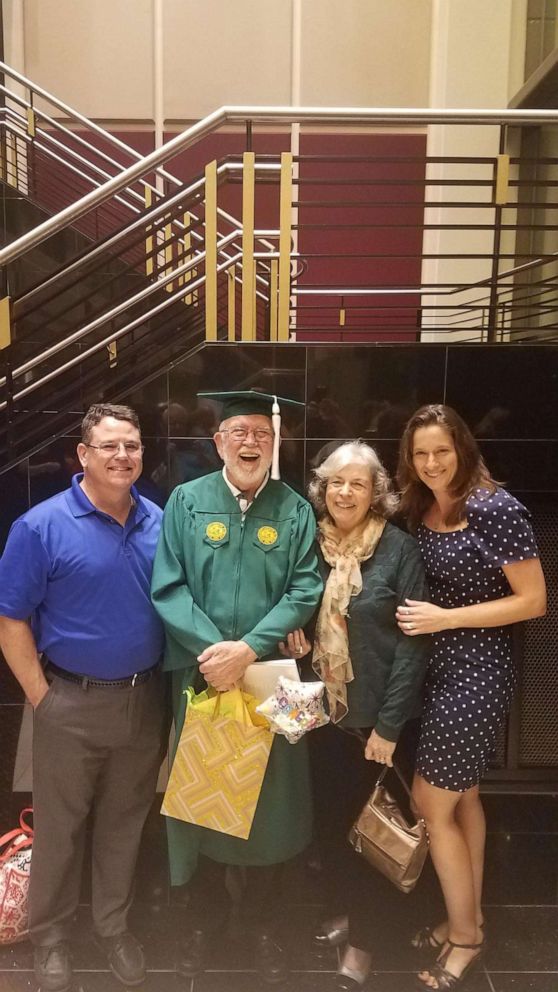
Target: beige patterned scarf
(331,659)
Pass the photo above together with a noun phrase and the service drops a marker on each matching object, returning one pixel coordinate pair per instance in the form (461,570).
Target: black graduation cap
(247,402)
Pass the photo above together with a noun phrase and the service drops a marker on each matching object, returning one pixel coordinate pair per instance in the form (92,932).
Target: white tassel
(276,421)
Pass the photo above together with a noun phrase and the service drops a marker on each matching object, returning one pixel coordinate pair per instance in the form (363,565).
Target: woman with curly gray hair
(373,676)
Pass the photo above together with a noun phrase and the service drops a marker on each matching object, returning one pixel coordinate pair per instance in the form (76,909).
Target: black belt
(85,680)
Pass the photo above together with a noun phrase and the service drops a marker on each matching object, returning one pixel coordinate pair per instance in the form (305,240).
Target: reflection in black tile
(181,460)
(151,482)
(533,982)
(14,498)
(318,450)
(518,814)
(507,884)
(370,392)
(273,368)
(16,957)
(522,938)
(23,982)
(52,468)
(10,721)
(100,981)
(515,392)
(149,401)
(401,982)
(523,466)
(10,690)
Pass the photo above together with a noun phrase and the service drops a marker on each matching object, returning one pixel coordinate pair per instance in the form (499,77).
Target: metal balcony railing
(391,242)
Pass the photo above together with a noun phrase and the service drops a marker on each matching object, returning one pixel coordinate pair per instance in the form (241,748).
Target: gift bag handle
(245,712)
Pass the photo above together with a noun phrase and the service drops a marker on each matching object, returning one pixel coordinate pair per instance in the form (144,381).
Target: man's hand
(224,663)
(39,694)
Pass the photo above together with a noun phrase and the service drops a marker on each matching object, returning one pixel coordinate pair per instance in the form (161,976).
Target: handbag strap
(403,781)
(13,847)
(25,826)
(7,840)
(400,776)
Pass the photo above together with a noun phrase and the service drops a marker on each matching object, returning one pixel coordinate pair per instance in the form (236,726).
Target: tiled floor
(521,899)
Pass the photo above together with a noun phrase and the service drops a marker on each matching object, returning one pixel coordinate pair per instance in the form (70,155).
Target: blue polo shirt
(84,580)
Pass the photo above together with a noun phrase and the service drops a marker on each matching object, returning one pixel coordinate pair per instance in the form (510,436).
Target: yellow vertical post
(255,304)
(113,354)
(502,180)
(248,201)
(149,237)
(273,275)
(168,255)
(11,160)
(31,122)
(231,302)
(5,322)
(185,255)
(211,251)
(285,230)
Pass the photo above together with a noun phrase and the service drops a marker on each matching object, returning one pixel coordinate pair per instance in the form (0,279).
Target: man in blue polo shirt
(74,588)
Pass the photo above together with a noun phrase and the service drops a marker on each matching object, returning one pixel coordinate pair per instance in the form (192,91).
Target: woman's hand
(296,645)
(380,750)
(422,618)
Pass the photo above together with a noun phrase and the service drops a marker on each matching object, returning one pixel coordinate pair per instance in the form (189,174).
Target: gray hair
(384,500)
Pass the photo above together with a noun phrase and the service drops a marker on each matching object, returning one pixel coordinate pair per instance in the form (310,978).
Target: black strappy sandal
(424,940)
(445,979)
(426,943)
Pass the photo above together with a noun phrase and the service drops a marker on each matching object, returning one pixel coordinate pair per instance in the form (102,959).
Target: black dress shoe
(53,967)
(192,954)
(125,957)
(270,960)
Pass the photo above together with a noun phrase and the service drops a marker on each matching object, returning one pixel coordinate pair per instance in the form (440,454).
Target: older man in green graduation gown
(235,571)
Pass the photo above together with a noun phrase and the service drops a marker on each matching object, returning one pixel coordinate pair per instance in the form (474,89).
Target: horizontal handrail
(325,116)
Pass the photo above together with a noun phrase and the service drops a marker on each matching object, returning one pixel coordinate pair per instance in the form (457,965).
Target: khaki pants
(95,751)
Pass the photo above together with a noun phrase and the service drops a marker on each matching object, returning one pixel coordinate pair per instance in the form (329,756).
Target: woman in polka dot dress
(484,574)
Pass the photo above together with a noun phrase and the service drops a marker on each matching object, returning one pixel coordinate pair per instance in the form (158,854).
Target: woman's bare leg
(471,819)
(454,867)
(469,815)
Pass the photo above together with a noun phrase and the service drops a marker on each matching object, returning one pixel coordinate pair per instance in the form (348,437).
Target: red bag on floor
(15,865)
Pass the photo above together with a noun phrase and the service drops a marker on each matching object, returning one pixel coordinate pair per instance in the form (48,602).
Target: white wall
(367,53)
(97,55)
(474,62)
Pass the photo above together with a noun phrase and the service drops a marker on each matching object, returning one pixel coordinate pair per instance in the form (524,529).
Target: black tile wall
(370,392)
(505,391)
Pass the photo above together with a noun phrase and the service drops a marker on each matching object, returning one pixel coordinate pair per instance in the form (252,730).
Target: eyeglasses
(241,433)
(108,448)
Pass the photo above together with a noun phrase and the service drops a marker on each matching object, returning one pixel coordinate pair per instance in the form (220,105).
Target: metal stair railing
(325,116)
(59,142)
(197,285)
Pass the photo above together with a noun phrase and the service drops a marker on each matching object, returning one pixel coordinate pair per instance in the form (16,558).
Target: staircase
(138,268)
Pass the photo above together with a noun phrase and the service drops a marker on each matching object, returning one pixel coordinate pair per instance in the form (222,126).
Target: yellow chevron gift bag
(220,762)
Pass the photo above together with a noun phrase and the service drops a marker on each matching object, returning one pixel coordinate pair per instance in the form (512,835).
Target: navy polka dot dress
(470,677)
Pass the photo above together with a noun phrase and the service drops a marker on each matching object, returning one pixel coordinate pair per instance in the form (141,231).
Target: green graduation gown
(219,577)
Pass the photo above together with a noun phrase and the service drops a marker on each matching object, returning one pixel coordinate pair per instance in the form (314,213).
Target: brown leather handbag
(384,837)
